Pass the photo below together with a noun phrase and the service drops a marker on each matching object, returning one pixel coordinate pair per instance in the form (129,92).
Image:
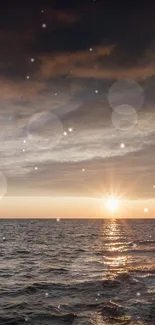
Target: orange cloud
(133,73)
(68,17)
(100,62)
(64,63)
(19,90)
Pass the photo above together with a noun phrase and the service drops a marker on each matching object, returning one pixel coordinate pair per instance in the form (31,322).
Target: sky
(77,117)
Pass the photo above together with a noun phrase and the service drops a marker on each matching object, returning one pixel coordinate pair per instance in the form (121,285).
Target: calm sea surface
(77,272)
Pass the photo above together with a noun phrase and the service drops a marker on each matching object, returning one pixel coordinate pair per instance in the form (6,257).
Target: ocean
(77,272)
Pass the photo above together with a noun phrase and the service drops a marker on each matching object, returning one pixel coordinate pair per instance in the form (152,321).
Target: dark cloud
(69,79)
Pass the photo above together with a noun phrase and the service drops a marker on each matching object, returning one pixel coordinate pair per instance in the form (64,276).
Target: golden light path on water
(112,244)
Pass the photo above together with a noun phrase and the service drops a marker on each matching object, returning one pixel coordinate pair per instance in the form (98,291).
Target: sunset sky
(77,116)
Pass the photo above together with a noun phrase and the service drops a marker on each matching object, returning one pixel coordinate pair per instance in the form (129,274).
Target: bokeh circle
(44,130)
(124,117)
(126,92)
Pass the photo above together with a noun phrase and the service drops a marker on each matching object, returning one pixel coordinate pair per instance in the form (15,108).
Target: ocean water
(77,272)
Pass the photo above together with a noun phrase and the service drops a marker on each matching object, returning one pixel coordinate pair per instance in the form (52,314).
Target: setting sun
(112,204)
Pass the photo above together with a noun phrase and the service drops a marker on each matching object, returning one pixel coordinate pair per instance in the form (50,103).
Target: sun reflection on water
(116,261)
(111,244)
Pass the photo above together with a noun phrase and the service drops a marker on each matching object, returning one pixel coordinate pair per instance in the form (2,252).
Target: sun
(112,204)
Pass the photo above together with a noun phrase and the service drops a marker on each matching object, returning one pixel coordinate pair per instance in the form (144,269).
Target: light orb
(44,130)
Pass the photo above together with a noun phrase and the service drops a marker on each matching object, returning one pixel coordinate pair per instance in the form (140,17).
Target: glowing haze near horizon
(77,118)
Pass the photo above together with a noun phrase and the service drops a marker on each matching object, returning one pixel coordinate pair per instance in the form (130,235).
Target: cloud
(24,90)
(63,80)
(58,18)
(94,143)
(65,63)
(100,63)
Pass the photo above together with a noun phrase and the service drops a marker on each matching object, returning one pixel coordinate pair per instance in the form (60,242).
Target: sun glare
(112,204)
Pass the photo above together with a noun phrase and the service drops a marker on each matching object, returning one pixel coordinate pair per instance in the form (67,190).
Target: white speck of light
(55,94)
(36,168)
(98,294)
(32,59)
(58,219)
(27,77)
(146,210)
(90,49)
(96,91)
(138,294)
(83,170)
(43,25)
(46,294)
(23,150)
(65,133)
(150,236)
(4,238)
(24,141)
(42,11)
(122,145)
(153,186)
(26,319)
(70,130)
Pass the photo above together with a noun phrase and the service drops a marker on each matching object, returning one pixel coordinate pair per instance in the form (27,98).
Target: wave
(38,318)
(143,242)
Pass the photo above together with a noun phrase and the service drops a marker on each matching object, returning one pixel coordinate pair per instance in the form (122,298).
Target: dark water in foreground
(77,272)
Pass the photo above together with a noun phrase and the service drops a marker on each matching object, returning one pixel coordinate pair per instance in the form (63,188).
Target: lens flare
(112,204)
